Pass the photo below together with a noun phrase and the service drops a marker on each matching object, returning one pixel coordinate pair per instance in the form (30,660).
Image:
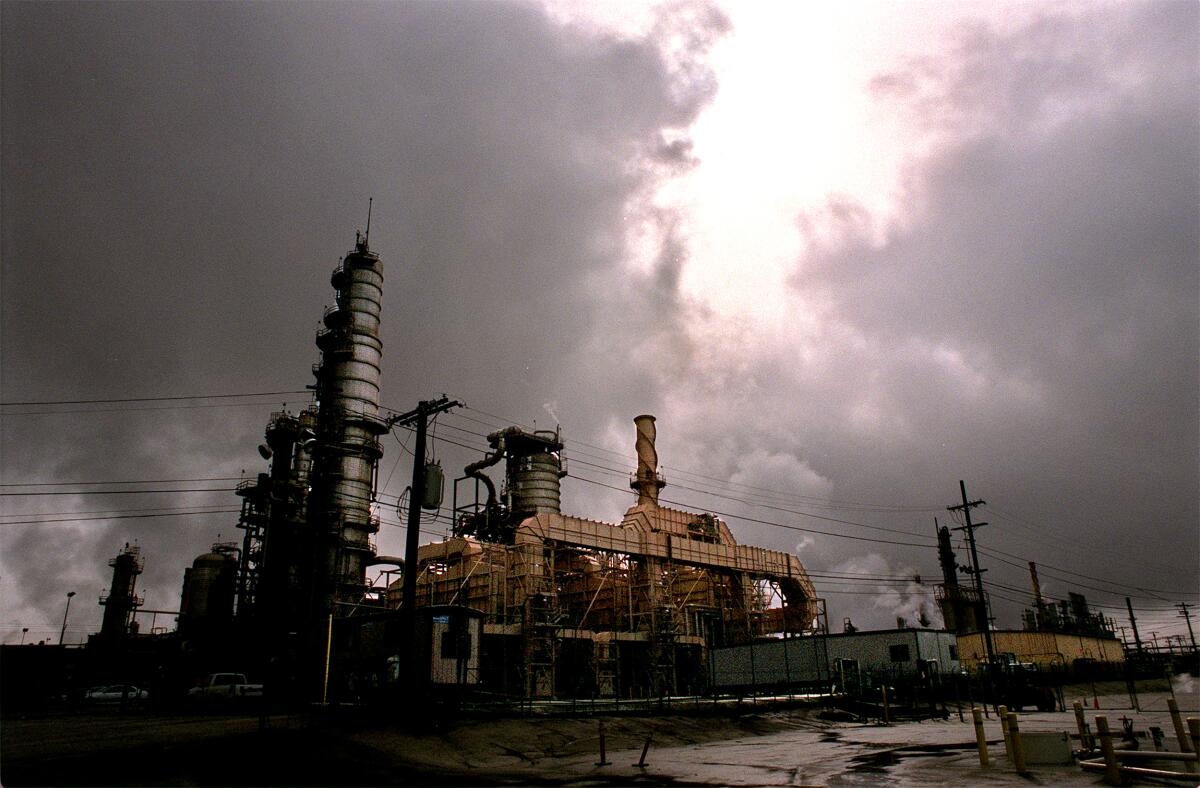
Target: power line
(150,399)
(996,553)
(1044,534)
(779,525)
(812,500)
(733,499)
(115,517)
(132,481)
(117,492)
(111,511)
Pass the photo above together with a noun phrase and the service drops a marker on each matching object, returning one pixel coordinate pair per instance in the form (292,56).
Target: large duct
(348,429)
(647,481)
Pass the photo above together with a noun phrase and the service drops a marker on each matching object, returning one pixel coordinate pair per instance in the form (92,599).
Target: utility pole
(1183,611)
(1137,639)
(420,417)
(965,507)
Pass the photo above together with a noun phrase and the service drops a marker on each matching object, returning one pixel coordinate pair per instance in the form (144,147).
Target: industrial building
(1052,650)
(1055,636)
(843,660)
(577,607)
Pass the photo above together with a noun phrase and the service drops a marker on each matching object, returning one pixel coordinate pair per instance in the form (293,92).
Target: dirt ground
(783,746)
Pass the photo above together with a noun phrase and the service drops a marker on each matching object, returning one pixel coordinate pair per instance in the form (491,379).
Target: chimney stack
(647,481)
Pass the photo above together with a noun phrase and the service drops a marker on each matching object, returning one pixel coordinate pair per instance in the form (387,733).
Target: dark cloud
(181,178)
(1031,322)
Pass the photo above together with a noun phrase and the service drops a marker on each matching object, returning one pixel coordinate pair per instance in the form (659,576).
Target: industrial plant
(542,604)
(519,602)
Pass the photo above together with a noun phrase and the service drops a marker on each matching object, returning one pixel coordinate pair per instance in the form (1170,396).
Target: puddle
(878,762)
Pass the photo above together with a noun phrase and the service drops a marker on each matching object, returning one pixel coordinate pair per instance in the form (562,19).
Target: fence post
(1112,770)
(980,736)
(1018,750)
(641,764)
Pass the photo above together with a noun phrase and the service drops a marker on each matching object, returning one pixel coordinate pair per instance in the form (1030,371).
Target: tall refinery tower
(347,447)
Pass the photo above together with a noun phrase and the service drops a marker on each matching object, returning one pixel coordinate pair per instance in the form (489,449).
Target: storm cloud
(179,180)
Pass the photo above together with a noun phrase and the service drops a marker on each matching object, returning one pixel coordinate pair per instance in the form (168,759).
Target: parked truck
(225,687)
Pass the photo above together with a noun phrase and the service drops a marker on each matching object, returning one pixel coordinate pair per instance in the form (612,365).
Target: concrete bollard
(980,736)
(603,755)
(1002,712)
(1112,769)
(1017,750)
(1085,738)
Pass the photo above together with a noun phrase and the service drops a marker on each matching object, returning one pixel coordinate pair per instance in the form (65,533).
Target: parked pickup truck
(225,686)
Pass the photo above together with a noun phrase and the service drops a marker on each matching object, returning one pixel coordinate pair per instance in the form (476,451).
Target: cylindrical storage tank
(208,599)
(534,483)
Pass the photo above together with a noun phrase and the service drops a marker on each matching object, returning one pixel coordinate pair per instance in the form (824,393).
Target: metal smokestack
(946,557)
(1037,586)
(647,481)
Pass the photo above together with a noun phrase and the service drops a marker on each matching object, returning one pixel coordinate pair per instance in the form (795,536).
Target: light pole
(23,631)
(62,633)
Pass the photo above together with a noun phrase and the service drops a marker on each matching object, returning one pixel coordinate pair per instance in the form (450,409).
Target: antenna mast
(367,236)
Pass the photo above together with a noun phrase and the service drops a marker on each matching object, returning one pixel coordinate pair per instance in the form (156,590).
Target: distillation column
(348,430)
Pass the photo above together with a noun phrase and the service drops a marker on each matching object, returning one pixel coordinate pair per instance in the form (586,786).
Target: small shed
(449,638)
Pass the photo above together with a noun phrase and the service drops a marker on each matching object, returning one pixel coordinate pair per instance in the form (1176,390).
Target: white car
(115,693)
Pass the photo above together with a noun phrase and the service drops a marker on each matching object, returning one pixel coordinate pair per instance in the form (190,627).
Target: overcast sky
(846,257)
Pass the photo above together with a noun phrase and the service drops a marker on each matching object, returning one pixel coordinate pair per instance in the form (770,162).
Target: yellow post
(980,736)
(1112,769)
(1002,713)
(1017,750)
(1194,730)
(1085,743)
(1185,743)
(328,652)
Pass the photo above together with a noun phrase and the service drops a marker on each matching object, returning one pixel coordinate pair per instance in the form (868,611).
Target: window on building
(899,652)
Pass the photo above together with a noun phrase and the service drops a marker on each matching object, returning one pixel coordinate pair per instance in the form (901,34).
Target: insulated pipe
(647,482)
(475,469)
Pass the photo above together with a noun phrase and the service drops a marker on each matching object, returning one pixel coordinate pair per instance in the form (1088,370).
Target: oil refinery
(519,601)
